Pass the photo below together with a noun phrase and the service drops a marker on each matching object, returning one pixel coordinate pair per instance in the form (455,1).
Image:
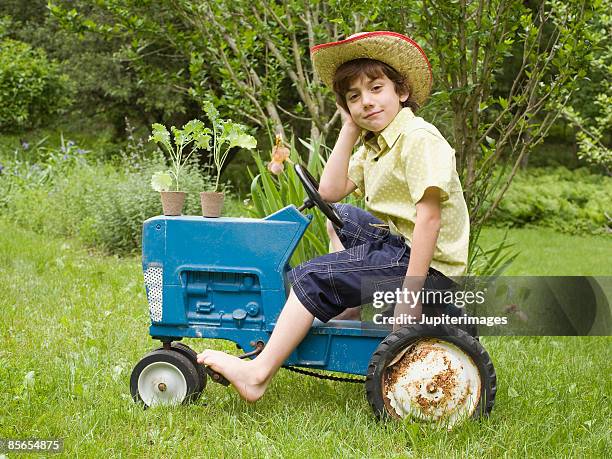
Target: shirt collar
(389,135)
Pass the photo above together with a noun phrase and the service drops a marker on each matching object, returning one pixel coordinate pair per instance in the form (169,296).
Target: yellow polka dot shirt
(393,170)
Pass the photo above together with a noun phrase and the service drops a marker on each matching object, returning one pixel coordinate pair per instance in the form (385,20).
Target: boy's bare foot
(249,380)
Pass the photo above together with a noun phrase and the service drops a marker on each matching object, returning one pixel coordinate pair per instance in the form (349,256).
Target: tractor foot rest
(216,377)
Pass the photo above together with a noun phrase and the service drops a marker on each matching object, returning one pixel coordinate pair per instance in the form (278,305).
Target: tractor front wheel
(165,377)
(193,357)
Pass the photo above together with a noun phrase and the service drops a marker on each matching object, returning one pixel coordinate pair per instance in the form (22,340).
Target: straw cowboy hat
(394,49)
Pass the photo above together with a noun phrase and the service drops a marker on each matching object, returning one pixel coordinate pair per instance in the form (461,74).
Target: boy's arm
(335,184)
(424,238)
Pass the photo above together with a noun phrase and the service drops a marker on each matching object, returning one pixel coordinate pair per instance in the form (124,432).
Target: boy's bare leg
(336,246)
(251,377)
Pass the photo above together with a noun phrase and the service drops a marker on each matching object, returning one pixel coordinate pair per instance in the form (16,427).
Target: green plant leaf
(160,134)
(242,140)
(211,112)
(181,136)
(161,181)
(202,138)
(193,127)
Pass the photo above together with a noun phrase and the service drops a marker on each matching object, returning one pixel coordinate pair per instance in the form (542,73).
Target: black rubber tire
(179,361)
(193,356)
(400,339)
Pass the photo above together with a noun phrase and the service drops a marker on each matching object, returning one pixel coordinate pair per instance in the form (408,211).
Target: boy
(418,229)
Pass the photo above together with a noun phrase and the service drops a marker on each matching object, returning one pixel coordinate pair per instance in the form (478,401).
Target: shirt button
(367,199)
(376,159)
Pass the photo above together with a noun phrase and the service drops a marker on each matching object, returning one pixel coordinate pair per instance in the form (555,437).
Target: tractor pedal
(216,377)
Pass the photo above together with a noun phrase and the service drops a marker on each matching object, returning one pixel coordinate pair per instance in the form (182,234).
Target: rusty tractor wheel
(436,374)
(164,377)
(193,356)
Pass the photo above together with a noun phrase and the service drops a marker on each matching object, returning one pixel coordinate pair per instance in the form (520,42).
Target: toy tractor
(225,278)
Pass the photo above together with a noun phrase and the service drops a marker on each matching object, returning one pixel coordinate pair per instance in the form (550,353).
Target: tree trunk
(275,119)
(525,159)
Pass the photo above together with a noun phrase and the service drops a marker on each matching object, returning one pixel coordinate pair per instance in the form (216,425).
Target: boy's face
(373,103)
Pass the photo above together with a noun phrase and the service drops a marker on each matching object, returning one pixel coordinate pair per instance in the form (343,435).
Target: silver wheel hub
(432,380)
(161,383)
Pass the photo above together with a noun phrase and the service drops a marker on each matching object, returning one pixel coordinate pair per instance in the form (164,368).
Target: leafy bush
(101,204)
(573,202)
(32,88)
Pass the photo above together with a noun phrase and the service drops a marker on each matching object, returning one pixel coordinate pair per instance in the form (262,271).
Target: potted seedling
(226,135)
(191,137)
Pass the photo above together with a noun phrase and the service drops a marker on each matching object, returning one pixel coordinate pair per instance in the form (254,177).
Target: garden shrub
(573,202)
(101,204)
(32,88)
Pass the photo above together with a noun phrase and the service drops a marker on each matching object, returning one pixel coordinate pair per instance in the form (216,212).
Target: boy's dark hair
(371,68)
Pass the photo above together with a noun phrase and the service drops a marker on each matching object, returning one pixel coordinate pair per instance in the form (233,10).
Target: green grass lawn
(544,252)
(74,324)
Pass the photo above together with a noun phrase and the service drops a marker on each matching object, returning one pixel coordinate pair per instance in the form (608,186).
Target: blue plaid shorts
(373,260)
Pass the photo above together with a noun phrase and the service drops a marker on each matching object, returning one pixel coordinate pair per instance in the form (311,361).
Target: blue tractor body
(226,278)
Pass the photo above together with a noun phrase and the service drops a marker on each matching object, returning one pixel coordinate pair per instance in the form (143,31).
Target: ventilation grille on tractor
(153,277)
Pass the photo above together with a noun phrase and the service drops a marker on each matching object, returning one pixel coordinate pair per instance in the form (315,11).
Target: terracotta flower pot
(173,202)
(212,203)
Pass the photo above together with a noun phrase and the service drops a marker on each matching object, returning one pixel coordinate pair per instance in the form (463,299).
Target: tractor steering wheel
(314,198)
